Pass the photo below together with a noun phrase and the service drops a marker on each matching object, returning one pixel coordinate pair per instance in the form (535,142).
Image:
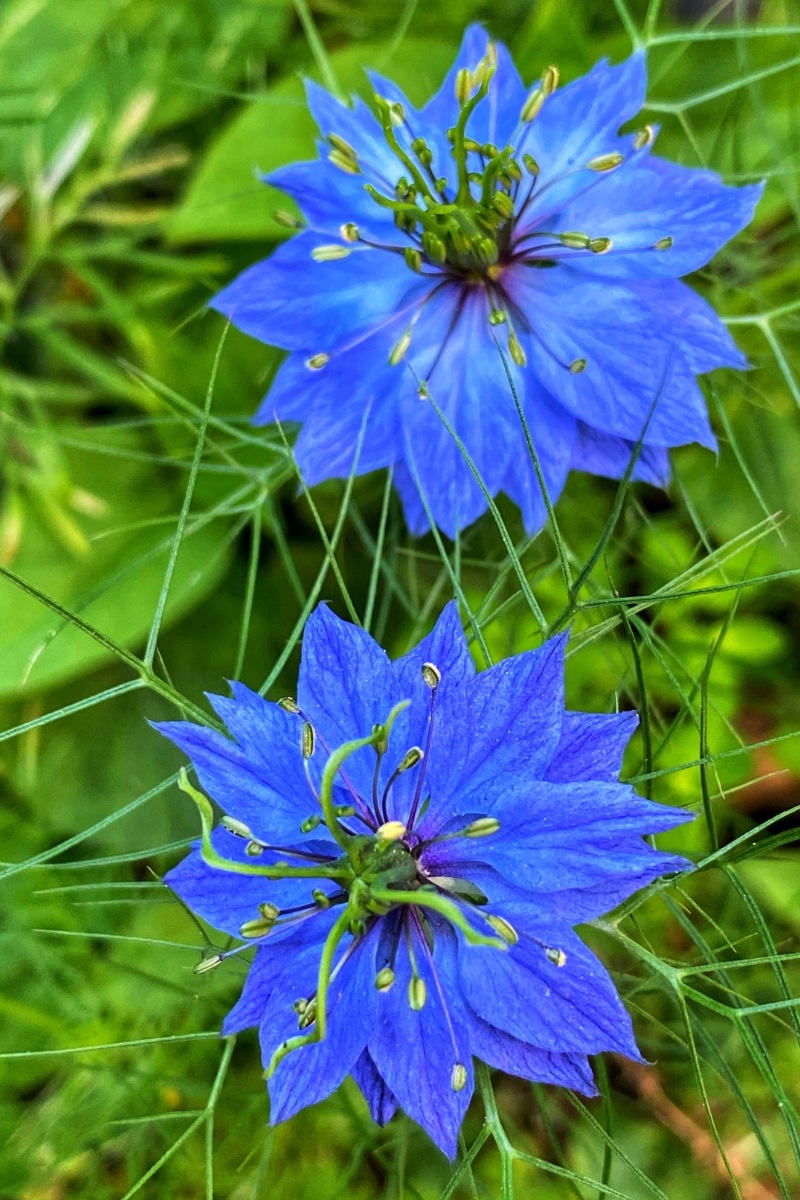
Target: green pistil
(465,233)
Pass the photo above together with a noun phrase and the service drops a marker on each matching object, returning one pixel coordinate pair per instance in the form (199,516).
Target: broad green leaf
(227,199)
(113,579)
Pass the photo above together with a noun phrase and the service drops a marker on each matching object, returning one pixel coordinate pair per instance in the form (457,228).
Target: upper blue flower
(491,213)
(412,896)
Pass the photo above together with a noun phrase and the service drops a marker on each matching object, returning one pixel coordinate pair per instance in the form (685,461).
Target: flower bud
(503,929)
(458,1079)
(515,350)
(413,258)
(207,964)
(431,675)
(287,219)
(605,162)
(574,239)
(399,349)
(464,85)
(348,165)
(422,151)
(503,204)
(417,993)
(330,253)
(482,827)
(486,250)
(644,137)
(344,147)
(434,248)
(238,828)
(549,81)
(600,245)
(384,979)
(410,759)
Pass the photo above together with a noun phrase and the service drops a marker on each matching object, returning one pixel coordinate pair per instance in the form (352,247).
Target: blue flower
(494,216)
(408,845)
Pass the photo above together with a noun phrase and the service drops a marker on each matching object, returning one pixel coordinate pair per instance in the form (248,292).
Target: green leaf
(227,199)
(116,585)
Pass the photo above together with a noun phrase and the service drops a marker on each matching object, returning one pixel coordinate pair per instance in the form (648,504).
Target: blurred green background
(131,135)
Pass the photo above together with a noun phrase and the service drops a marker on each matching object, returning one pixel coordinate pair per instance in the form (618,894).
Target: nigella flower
(494,216)
(408,845)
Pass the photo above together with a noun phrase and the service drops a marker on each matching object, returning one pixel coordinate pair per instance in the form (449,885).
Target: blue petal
(580,121)
(352,401)
(268,964)
(516,1057)
(603,454)
(553,431)
(688,320)
(452,351)
(346,686)
(311,1073)
(572,1009)
(591,746)
(382,1103)
(445,647)
(226,899)
(636,381)
(269,795)
(328,198)
(651,199)
(495,117)
(505,723)
(358,126)
(416,1052)
(526,806)
(442,109)
(291,301)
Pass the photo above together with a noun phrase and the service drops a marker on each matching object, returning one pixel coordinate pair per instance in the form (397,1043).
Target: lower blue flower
(408,845)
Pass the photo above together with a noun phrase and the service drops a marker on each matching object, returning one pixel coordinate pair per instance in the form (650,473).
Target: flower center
(463,225)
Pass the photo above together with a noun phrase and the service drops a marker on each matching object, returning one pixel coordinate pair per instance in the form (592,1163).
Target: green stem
(214,859)
(317,1034)
(384,108)
(459,150)
(339,756)
(440,904)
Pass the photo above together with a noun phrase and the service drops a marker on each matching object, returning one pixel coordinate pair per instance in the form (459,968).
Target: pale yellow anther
(330,253)
(417,993)
(458,1079)
(390,831)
